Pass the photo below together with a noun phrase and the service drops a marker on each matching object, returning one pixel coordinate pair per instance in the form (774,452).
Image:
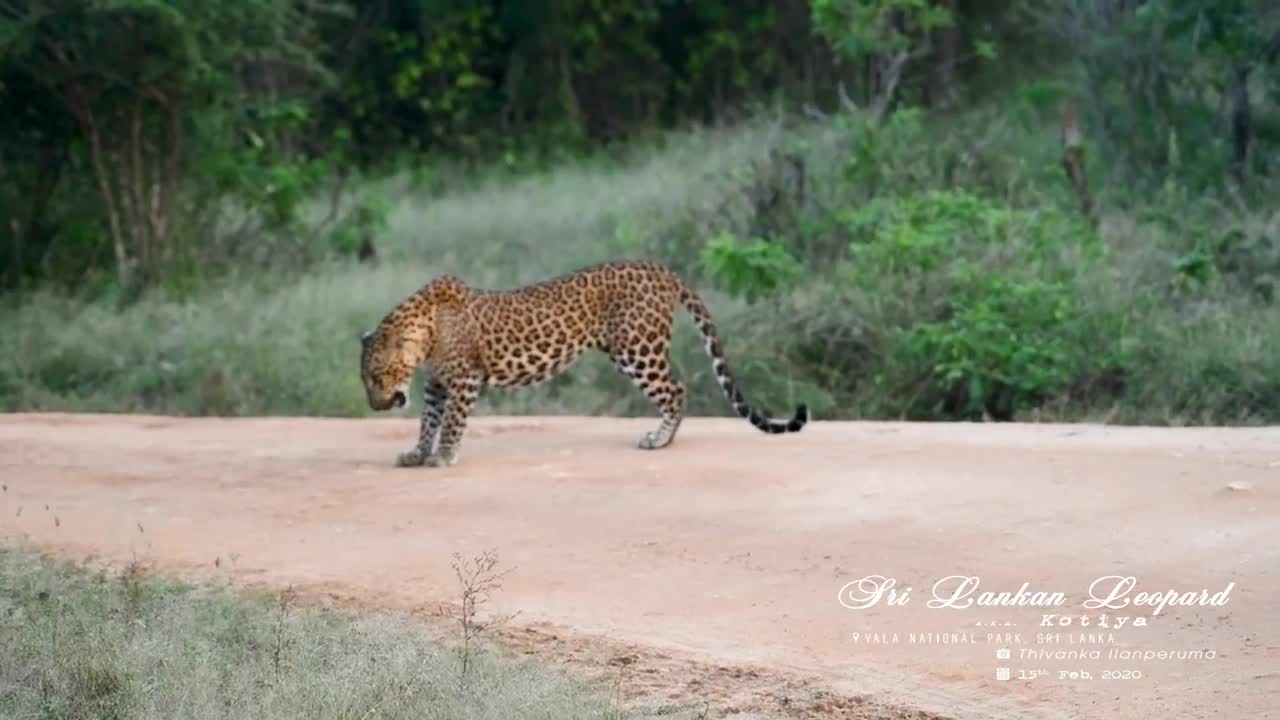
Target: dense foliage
(930,208)
(147,139)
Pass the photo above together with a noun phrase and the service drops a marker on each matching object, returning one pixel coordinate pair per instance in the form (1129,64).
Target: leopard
(467,339)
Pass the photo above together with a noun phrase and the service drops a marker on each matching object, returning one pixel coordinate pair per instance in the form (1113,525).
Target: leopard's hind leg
(643,355)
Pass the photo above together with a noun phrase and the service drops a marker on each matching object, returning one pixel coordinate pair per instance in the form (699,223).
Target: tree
(142,82)
(891,35)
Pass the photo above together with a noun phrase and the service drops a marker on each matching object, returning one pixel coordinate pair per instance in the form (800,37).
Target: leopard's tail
(702,318)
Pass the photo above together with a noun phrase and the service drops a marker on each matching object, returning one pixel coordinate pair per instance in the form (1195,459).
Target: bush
(974,309)
(750,269)
(1007,346)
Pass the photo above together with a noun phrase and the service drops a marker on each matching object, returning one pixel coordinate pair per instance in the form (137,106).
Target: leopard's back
(533,333)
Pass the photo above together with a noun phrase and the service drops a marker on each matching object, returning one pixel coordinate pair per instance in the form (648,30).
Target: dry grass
(81,644)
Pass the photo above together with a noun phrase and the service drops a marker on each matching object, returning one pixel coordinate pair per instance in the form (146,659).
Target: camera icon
(1002,654)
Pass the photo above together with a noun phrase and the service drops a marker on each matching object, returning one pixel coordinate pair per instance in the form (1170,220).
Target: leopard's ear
(364,338)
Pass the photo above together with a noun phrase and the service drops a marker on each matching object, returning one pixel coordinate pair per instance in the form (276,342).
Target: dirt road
(715,568)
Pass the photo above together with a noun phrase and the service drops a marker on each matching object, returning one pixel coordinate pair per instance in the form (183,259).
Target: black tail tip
(801,418)
(764,423)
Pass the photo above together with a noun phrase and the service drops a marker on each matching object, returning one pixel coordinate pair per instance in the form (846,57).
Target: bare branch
(845,101)
(891,76)
(1073,159)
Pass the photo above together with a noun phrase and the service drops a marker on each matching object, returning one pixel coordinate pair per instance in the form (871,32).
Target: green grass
(251,347)
(85,644)
(1181,302)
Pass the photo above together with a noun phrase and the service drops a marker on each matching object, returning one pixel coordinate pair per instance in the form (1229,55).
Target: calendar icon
(1002,673)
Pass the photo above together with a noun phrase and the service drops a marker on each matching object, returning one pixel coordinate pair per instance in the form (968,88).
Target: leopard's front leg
(462,394)
(434,398)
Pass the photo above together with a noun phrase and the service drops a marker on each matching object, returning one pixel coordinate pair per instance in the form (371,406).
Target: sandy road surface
(712,569)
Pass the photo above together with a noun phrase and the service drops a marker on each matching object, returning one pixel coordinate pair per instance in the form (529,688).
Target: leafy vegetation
(898,208)
(990,298)
(750,269)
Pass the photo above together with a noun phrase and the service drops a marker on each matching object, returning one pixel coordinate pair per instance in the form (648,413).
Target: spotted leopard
(467,339)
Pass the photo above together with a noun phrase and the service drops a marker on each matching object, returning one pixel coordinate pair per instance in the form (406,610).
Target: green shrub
(1007,346)
(366,220)
(978,313)
(750,269)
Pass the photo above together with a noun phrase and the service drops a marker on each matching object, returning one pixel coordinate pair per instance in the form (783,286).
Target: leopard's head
(388,359)
(392,352)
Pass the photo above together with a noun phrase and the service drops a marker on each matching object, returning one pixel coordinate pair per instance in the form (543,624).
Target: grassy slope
(1204,354)
(253,348)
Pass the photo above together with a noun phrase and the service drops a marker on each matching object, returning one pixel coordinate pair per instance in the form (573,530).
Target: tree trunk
(568,96)
(168,175)
(81,108)
(133,182)
(1240,123)
(1073,160)
(89,126)
(948,42)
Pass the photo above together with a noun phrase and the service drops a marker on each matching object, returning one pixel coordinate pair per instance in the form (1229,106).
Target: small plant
(132,582)
(1193,271)
(478,578)
(97,688)
(751,269)
(279,631)
(353,235)
(922,233)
